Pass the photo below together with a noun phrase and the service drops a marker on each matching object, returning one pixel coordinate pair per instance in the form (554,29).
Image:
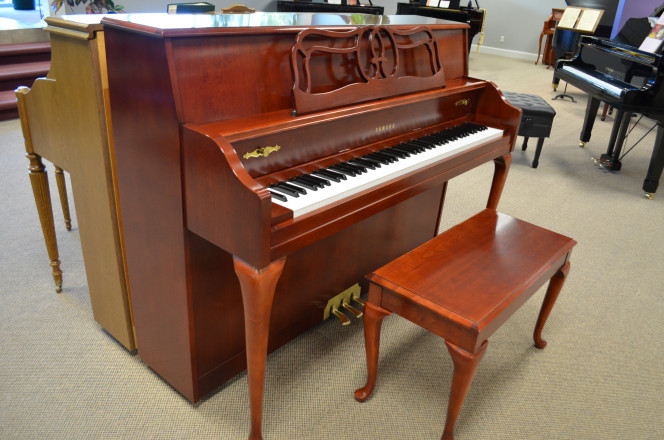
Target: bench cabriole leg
(555,285)
(465,366)
(373,319)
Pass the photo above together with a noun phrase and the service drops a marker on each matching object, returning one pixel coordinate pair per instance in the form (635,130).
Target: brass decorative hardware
(344,300)
(351,309)
(343,318)
(460,102)
(582,144)
(262,152)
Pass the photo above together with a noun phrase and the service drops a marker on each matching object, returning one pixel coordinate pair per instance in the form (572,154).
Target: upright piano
(65,120)
(222,123)
(474,16)
(626,78)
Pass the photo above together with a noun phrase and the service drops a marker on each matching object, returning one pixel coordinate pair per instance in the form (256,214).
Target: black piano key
(295,188)
(329,174)
(404,150)
(302,182)
(385,158)
(366,158)
(358,168)
(343,170)
(389,152)
(319,180)
(367,163)
(278,195)
(415,149)
(284,190)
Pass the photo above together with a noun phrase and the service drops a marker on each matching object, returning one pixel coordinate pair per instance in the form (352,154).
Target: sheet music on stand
(582,21)
(653,42)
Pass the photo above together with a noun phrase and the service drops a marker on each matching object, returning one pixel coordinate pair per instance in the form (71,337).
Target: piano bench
(536,120)
(462,286)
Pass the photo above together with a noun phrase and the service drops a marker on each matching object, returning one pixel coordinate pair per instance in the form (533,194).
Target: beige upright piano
(65,119)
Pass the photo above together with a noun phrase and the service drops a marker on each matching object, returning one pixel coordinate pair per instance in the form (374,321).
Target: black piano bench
(536,120)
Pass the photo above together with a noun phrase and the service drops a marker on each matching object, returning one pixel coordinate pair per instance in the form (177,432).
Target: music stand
(574,21)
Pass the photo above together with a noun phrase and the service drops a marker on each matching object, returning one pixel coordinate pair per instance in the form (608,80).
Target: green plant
(92,6)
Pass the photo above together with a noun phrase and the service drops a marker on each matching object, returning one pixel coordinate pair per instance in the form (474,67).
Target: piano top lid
(180,25)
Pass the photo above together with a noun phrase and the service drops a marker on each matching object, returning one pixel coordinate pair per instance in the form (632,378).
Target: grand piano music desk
(462,286)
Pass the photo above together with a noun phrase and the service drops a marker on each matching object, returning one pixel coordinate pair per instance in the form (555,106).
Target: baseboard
(505,53)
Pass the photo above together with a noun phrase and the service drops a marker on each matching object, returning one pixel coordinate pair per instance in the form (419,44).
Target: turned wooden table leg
(40,189)
(258,286)
(62,190)
(465,366)
(373,319)
(502,166)
(555,285)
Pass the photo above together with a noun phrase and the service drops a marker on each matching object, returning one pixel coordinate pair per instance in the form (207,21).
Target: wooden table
(463,285)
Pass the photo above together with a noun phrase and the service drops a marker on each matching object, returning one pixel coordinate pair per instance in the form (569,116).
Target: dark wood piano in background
(630,80)
(463,14)
(210,111)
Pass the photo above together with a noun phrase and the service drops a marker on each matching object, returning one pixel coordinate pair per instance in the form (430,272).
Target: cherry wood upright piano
(212,114)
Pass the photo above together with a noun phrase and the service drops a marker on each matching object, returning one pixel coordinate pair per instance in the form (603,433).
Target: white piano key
(355,184)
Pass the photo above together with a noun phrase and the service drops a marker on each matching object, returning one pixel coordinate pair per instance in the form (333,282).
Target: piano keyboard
(308,192)
(604,85)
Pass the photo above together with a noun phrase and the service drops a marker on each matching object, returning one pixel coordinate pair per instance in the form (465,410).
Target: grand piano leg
(502,166)
(656,164)
(589,121)
(611,159)
(258,287)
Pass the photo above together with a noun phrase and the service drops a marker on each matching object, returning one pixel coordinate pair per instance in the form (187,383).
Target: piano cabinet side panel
(68,127)
(310,278)
(147,154)
(494,110)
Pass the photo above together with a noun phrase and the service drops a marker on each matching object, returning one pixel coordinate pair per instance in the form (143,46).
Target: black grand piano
(455,10)
(628,79)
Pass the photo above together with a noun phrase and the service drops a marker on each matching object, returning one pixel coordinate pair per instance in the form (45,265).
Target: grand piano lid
(177,25)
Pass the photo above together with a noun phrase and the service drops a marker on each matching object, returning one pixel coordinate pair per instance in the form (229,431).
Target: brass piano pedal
(582,144)
(359,300)
(345,320)
(351,309)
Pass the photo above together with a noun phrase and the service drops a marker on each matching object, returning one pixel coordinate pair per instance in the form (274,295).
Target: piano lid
(172,25)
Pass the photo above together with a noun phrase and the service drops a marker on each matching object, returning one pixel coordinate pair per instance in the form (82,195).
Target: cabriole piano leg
(502,166)
(258,286)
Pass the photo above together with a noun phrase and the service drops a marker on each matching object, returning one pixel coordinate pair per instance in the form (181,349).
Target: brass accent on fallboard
(262,152)
(464,101)
(343,300)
